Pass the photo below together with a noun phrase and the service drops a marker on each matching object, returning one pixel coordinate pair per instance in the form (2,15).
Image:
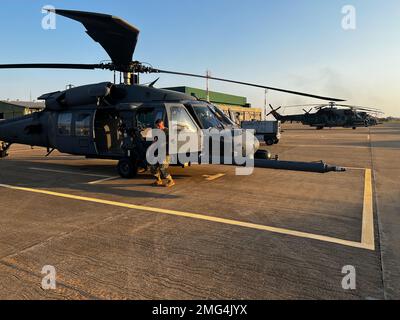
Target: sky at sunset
(298,45)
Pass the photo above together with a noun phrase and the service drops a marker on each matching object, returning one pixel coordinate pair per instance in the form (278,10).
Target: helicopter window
(221,115)
(207,117)
(182,119)
(159,116)
(82,125)
(64,124)
(145,118)
(1,115)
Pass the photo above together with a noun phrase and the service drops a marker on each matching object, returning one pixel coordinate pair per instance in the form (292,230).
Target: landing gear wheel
(269,141)
(127,168)
(3,149)
(263,154)
(354,128)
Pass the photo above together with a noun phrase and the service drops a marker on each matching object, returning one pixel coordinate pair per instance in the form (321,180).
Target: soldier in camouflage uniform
(160,171)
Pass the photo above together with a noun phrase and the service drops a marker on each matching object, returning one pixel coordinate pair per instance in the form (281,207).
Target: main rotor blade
(305,105)
(358,107)
(117,37)
(249,84)
(51,66)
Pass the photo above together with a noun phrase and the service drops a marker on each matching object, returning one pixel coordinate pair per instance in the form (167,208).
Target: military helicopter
(330,116)
(104,120)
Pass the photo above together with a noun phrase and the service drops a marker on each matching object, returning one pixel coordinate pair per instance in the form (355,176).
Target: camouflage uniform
(160,171)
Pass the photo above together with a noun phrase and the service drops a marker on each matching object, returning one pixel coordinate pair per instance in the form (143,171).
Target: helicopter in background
(105,120)
(330,115)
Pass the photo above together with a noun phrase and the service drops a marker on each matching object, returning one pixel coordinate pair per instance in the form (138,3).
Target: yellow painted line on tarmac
(214,177)
(368,235)
(362,245)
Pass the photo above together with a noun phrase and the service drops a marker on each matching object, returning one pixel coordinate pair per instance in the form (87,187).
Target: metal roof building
(13,109)
(215,97)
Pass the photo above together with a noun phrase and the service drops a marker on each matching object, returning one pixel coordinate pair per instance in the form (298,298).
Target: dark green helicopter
(104,120)
(330,116)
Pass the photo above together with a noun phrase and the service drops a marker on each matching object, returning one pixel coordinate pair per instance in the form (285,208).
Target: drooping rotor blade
(248,84)
(52,66)
(305,105)
(115,35)
(359,108)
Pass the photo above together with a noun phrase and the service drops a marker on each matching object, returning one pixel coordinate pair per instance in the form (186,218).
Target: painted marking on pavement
(70,172)
(367,234)
(214,177)
(104,180)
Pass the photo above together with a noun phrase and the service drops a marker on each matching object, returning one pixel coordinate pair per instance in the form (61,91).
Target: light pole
(208,75)
(265,104)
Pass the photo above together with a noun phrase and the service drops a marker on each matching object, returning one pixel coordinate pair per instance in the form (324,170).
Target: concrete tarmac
(271,235)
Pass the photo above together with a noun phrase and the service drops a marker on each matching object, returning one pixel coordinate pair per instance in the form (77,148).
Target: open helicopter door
(186,137)
(108,138)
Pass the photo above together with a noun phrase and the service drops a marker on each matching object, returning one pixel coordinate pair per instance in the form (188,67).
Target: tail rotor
(274,112)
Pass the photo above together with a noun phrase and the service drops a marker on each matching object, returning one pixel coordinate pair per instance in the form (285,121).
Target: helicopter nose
(250,147)
(256,144)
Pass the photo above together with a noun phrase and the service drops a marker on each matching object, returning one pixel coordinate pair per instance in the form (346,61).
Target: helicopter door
(108,138)
(180,121)
(64,136)
(83,136)
(146,118)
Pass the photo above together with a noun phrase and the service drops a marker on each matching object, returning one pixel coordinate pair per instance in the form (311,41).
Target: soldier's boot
(158,182)
(170,182)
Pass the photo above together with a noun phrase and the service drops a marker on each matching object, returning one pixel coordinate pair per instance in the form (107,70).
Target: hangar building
(236,107)
(13,109)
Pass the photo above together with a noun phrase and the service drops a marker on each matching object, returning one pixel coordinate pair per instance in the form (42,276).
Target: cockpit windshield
(207,117)
(222,116)
(211,117)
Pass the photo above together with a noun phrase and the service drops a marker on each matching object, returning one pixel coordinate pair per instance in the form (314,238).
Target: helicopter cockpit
(209,116)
